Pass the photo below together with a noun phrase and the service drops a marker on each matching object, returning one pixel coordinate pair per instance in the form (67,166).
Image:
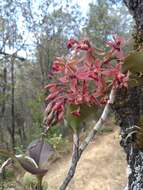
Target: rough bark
(129,113)
(2,105)
(136,9)
(12,104)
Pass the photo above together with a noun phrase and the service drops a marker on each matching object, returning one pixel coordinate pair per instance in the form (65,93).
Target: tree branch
(12,55)
(78,150)
(75,158)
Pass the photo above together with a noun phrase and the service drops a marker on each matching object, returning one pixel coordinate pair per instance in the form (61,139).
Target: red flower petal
(57,106)
(52,96)
(63,79)
(60,115)
(70,43)
(74,85)
(82,75)
(50,85)
(76,112)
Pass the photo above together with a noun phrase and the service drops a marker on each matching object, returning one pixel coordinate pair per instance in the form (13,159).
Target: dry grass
(102,166)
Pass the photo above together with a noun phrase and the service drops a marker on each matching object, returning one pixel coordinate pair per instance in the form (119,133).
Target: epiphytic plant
(83,79)
(80,83)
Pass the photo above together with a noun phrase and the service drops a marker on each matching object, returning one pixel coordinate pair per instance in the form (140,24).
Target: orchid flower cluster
(85,77)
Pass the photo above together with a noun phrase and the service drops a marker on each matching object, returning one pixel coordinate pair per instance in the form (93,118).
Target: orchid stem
(78,150)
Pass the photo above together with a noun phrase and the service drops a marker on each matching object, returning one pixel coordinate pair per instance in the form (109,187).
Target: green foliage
(45,185)
(9,173)
(36,108)
(57,141)
(30,181)
(3,97)
(19,149)
(105,19)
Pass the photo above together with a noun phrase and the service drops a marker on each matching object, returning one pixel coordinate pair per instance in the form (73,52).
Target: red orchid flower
(115,45)
(83,79)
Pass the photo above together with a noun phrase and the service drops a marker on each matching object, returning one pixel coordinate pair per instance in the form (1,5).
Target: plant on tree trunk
(80,83)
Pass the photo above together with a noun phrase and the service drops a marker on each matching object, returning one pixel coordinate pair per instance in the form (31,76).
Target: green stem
(39,186)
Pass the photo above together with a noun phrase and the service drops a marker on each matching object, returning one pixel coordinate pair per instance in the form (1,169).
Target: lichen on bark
(136,9)
(128,108)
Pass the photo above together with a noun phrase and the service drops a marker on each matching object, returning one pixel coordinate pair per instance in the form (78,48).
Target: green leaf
(133,63)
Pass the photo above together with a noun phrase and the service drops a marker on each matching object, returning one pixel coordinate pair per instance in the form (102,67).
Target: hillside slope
(102,166)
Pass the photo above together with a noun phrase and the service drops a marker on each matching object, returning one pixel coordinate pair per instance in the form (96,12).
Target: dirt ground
(102,166)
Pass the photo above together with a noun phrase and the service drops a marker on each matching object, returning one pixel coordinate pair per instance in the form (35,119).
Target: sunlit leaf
(133,62)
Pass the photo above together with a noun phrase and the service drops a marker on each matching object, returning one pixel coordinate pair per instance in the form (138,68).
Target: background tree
(38,36)
(105,19)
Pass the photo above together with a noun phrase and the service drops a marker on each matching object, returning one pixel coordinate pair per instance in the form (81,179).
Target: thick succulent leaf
(40,151)
(26,162)
(23,158)
(30,165)
(76,121)
(133,62)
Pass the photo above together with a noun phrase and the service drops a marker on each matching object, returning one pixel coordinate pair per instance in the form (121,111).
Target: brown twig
(75,158)
(12,55)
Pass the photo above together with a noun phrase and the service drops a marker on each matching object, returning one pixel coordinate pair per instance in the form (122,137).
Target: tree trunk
(129,111)
(2,111)
(12,104)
